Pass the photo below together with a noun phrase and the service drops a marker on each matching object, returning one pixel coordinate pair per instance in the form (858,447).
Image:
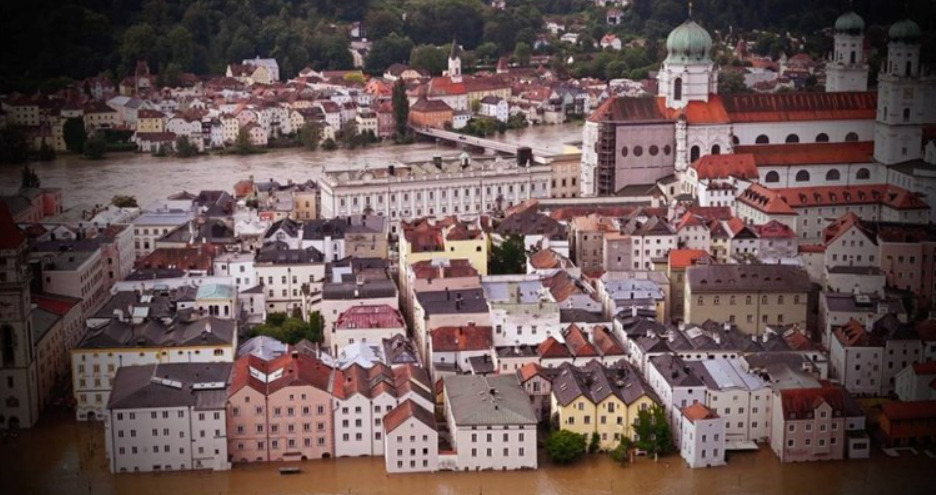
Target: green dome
(688,43)
(905,30)
(849,22)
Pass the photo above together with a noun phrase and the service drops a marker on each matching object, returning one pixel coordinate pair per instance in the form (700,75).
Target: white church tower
(688,72)
(848,68)
(454,63)
(902,98)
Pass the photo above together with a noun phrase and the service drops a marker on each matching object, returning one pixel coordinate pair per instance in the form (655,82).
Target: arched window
(909,70)
(772,176)
(822,138)
(851,137)
(694,154)
(667,150)
(802,176)
(762,139)
(624,152)
(677,89)
(852,57)
(863,174)
(832,175)
(792,138)
(735,141)
(906,115)
(716,149)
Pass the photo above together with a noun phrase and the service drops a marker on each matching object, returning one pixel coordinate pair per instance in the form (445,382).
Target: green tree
(429,58)
(184,148)
(652,431)
(95,146)
(565,447)
(486,53)
(329,144)
(139,43)
(73,131)
(619,453)
(290,329)
(595,443)
(731,82)
(522,53)
(124,201)
(29,178)
(171,76)
(242,144)
(387,51)
(181,47)
(310,135)
(380,23)
(400,109)
(508,258)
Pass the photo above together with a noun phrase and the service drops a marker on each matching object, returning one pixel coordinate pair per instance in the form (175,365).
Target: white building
(916,382)
(168,417)
(492,424)
(703,436)
(742,399)
(287,275)
(523,310)
(152,225)
(412,439)
(238,266)
(677,387)
(848,68)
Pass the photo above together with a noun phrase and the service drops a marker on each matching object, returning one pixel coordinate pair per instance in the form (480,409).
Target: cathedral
(845,136)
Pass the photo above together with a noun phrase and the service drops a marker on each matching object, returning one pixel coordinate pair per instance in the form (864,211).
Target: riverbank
(152,179)
(63,457)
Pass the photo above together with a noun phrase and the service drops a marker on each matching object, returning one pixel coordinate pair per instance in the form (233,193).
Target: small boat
(290,470)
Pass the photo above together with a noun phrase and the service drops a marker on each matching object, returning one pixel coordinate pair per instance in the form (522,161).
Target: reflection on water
(151,179)
(64,457)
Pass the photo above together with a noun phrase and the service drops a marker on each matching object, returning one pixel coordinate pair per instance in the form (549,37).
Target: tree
(731,82)
(522,53)
(242,144)
(350,135)
(185,148)
(387,51)
(565,447)
(429,58)
(310,135)
(95,146)
(290,329)
(380,23)
(652,431)
(400,110)
(619,453)
(509,257)
(139,43)
(14,148)
(29,178)
(329,144)
(595,443)
(486,53)
(73,131)
(124,201)
(171,76)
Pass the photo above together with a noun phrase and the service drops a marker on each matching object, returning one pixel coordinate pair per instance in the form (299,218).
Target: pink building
(368,324)
(816,424)
(280,410)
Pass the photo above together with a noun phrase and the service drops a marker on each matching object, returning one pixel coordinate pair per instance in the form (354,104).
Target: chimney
(717,338)
(634,311)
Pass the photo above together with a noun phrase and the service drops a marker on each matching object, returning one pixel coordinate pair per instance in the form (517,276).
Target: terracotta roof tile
(766,200)
(698,411)
(919,410)
(803,401)
(408,409)
(370,316)
(741,165)
(463,338)
(552,348)
(779,107)
(809,153)
(682,258)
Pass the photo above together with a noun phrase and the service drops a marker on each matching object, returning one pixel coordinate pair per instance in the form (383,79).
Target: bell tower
(848,68)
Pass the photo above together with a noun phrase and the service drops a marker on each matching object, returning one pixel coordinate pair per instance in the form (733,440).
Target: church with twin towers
(847,135)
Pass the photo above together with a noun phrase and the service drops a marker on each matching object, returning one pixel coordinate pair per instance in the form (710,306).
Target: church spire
(455,51)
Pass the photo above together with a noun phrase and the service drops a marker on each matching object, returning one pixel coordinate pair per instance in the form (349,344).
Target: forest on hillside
(49,43)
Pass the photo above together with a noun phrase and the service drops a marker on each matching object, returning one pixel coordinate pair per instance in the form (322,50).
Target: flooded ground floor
(62,457)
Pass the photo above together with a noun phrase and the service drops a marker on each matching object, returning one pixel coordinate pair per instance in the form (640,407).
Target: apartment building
(288,275)
(677,386)
(523,311)
(365,323)
(740,398)
(412,439)
(168,417)
(817,424)
(703,436)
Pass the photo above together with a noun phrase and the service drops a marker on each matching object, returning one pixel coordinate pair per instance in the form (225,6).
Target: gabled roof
(408,409)
(765,200)
(697,411)
(777,107)
(461,339)
(740,165)
(808,153)
(683,258)
(552,348)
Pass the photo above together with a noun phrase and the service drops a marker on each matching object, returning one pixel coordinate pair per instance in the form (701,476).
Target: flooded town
(527,247)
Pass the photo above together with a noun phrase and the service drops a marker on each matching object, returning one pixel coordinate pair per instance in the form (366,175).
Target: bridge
(488,145)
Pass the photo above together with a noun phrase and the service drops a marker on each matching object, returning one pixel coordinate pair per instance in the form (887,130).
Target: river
(62,457)
(152,179)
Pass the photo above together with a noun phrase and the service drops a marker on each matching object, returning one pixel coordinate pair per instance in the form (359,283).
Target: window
(654,150)
(762,139)
(832,175)
(863,174)
(694,153)
(851,137)
(624,152)
(802,176)
(638,150)
(677,89)
(792,138)
(822,138)
(716,149)
(772,176)
(906,115)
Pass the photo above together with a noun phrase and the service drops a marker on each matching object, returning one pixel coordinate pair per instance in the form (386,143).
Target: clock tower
(19,403)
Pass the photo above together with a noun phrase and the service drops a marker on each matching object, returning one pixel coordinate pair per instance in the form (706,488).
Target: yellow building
(750,296)
(450,238)
(600,399)
(150,121)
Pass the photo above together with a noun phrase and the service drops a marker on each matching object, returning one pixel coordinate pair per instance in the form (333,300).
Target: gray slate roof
(747,278)
(171,385)
(488,401)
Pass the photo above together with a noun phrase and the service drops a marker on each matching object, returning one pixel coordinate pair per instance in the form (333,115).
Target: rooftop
(747,278)
(488,401)
(199,385)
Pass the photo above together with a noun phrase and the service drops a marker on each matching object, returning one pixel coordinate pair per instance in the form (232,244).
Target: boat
(290,470)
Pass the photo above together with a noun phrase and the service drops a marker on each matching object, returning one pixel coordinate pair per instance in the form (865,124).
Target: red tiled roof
(774,230)
(578,344)
(11,237)
(408,409)
(552,348)
(529,370)
(740,165)
(853,334)
(706,112)
(455,269)
(370,316)
(190,258)
(607,342)
(892,196)
(444,86)
(779,107)
(147,113)
(766,200)
(545,259)
(812,248)
(698,411)
(54,303)
(632,110)
(925,368)
(922,409)
(809,153)
(464,338)
(801,401)
(684,258)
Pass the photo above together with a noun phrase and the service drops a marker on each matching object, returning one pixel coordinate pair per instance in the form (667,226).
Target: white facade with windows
(523,311)
(238,266)
(702,434)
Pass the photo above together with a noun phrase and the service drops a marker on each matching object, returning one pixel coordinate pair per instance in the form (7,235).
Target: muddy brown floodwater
(150,179)
(62,457)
